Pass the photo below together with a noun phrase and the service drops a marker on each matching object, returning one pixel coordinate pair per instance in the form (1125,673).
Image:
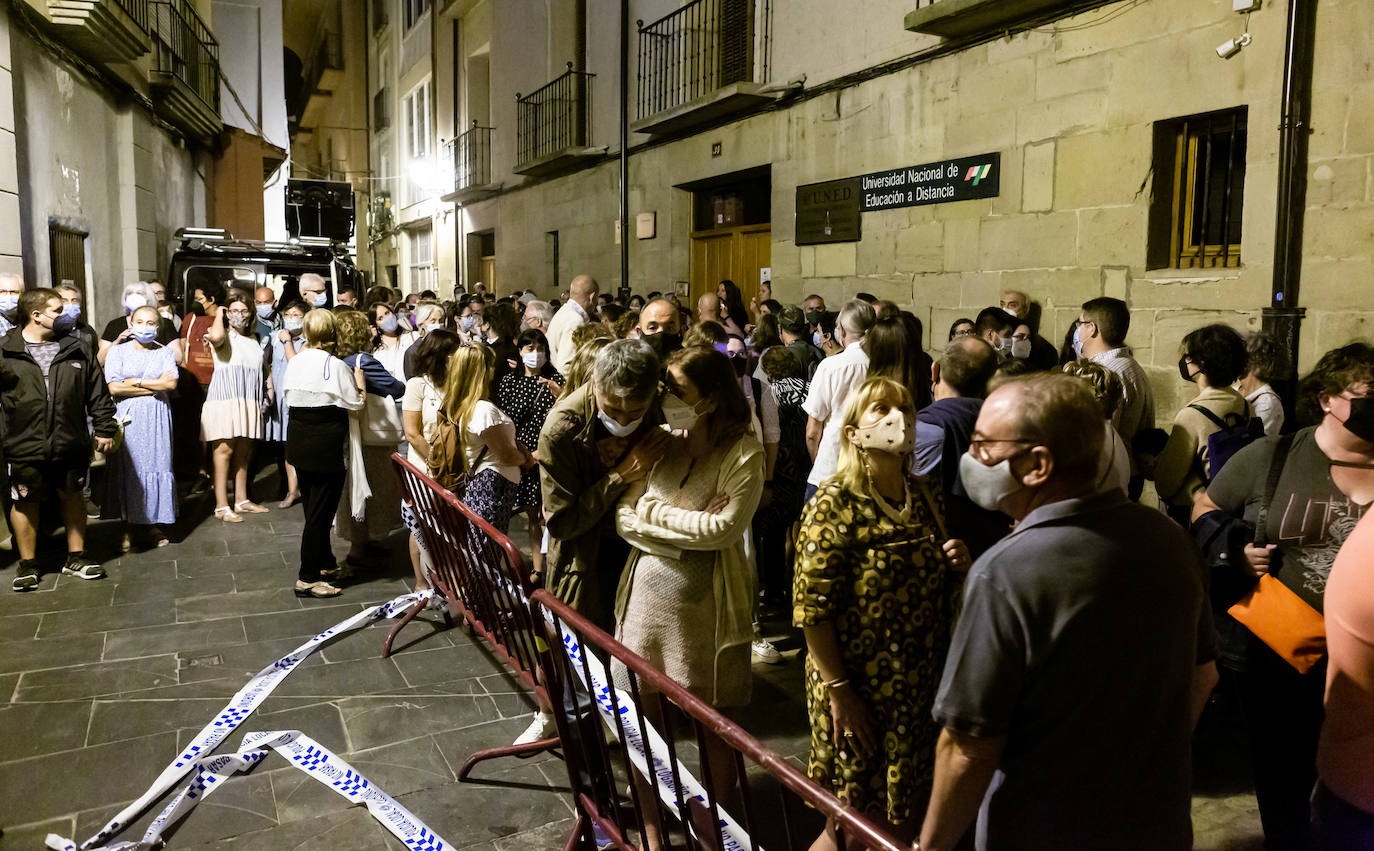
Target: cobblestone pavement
(101,683)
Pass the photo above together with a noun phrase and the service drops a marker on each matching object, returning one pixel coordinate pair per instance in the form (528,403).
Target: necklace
(900,516)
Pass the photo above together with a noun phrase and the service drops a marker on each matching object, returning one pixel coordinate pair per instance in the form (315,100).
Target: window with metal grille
(1199,191)
(67,251)
(421,259)
(414,9)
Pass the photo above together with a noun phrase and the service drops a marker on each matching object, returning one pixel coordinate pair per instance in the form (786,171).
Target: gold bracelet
(837,683)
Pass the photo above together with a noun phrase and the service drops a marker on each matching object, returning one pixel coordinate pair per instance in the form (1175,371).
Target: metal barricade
(482,575)
(598,687)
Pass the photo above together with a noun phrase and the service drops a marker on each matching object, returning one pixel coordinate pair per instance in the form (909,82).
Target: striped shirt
(1137,408)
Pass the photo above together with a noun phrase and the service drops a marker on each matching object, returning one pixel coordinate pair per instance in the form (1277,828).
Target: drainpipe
(624,291)
(367,137)
(1283,317)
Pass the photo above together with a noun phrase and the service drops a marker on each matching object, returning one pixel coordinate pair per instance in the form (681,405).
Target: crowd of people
(1002,625)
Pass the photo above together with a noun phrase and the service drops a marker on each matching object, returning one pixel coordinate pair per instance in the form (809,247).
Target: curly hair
(1219,351)
(1336,372)
(1105,385)
(353,333)
(1267,357)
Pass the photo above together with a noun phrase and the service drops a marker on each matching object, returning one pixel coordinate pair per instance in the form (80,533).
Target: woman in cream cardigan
(686,597)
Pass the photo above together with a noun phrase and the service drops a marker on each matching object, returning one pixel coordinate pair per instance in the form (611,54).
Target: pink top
(1345,755)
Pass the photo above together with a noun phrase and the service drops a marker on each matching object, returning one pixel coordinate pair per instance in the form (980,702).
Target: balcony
(957,19)
(553,126)
(103,30)
(470,157)
(185,76)
(322,71)
(703,62)
(381,110)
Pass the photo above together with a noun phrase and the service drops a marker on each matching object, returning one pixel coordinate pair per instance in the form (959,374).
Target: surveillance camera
(1232,46)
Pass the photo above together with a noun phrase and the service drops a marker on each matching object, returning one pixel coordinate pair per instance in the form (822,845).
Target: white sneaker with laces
(542,727)
(765,652)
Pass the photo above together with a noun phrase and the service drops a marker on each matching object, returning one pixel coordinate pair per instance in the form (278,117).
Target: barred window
(1199,191)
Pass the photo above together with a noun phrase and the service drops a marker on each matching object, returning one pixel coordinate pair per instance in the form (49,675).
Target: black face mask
(1183,370)
(1361,420)
(663,343)
(197,309)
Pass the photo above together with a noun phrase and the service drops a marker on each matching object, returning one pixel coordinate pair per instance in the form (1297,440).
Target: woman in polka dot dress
(876,591)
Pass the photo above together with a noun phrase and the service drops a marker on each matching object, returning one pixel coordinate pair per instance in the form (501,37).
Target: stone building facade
(1079,107)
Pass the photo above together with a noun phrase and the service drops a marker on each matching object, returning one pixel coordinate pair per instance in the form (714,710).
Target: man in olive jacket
(51,386)
(598,439)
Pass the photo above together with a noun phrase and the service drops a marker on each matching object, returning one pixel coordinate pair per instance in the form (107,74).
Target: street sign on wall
(962,179)
(828,212)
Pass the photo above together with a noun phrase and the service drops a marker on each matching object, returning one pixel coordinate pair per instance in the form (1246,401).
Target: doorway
(731,235)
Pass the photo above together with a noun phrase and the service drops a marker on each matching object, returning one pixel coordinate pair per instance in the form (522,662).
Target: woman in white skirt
(232,416)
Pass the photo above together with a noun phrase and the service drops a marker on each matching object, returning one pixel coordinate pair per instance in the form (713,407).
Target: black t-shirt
(166,331)
(1078,641)
(1309,518)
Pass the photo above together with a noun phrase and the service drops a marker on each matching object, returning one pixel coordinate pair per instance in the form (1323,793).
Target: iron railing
(704,46)
(137,10)
(325,55)
(555,117)
(381,110)
(184,48)
(470,156)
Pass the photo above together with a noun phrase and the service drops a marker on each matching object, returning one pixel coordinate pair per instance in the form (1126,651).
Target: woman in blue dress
(141,488)
(280,346)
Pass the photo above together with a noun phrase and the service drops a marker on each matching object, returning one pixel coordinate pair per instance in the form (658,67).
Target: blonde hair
(353,332)
(851,471)
(580,369)
(320,329)
(470,370)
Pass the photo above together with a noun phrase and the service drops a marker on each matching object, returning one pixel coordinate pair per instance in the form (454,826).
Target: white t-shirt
(421,395)
(394,357)
(485,415)
(835,378)
(1268,407)
(561,349)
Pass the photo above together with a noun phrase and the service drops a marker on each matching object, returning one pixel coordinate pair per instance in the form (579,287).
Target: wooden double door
(735,253)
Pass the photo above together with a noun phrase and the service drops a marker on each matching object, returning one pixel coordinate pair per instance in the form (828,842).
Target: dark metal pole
(1283,317)
(624,291)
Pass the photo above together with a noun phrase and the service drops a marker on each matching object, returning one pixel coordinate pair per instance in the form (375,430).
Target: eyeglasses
(978,447)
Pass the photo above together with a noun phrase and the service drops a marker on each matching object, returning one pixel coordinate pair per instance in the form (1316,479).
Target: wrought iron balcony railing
(554,118)
(186,56)
(470,156)
(704,46)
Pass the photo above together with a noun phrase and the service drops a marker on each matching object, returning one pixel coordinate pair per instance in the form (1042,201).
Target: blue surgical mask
(319,299)
(72,310)
(1078,341)
(467,321)
(291,323)
(8,302)
(816,338)
(264,311)
(145,334)
(388,324)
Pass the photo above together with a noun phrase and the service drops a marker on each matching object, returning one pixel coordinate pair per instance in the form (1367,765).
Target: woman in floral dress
(875,591)
(141,488)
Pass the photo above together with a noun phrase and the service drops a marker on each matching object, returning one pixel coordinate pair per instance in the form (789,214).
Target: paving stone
(18,627)
(34,655)
(35,729)
(310,620)
(239,603)
(173,638)
(54,785)
(398,769)
(31,836)
(418,635)
(97,680)
(113,617)
(513,801)
(373,721)
(442,663)
(210,565)
(114,720)
(351,829)
(84,596)
(546,837)
(239,662)
(142,590)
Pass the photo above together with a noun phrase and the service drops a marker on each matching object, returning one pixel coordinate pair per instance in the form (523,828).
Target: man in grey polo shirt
(1083,656)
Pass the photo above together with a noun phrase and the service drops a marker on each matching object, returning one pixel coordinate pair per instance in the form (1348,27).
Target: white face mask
(133,301)
(615,428)
(1020,349)
(893,433)
(988,486)
(677,413)
(534,360)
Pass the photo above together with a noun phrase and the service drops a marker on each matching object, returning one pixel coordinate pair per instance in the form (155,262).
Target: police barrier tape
(306,754)
(733,837)
(243,704)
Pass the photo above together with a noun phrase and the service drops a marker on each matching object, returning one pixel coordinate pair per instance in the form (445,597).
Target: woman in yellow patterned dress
(876,591)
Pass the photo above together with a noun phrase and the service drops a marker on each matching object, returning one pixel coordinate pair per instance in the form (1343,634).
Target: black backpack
(1233,434)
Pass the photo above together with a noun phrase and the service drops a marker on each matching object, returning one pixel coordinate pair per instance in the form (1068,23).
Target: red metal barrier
(777,807)
(482,574)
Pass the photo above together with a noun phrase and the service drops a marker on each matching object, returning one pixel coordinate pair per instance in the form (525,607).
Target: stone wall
(1071,109)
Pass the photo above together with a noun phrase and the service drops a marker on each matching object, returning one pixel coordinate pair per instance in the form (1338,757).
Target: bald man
(577,311)
(708,308)
(1044,354)
(661,327)
(265,302)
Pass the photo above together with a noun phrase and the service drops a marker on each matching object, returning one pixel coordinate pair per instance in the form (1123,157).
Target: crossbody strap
(1271,484)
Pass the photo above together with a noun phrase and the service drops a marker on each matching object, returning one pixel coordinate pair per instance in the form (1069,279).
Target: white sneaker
(765,652)
(542,727)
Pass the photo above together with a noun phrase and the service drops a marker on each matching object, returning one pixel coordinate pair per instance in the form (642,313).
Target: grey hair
(312,278)
(542,309)
(856,317)
(626,369)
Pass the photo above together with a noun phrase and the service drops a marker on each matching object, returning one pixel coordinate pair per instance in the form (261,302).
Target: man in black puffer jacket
(51,387)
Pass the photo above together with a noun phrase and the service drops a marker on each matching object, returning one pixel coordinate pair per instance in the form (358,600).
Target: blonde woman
(877,581)
(320,390)
(492,460)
